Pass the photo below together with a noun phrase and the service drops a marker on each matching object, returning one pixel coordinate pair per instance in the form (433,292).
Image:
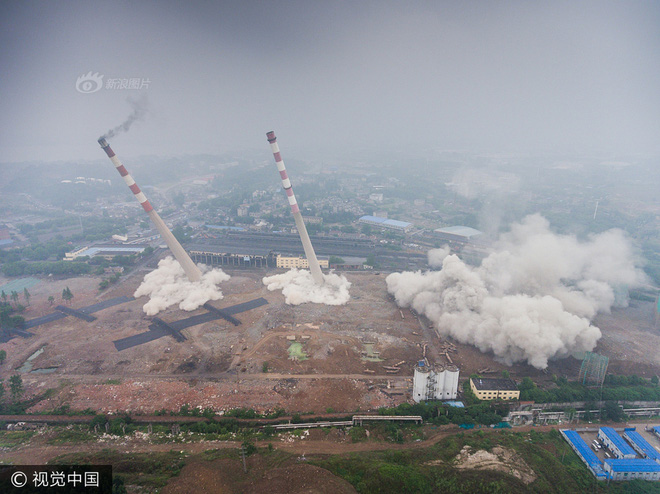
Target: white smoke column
(530,300)
(298,287)
(168,285)
(140,109)
(436,256)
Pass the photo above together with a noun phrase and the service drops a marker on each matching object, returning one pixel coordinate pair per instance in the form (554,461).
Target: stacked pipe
(189,267)
(313,262)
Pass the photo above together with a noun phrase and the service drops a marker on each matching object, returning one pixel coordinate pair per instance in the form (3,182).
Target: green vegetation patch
(147,470)
(19,285)
(10,439)
(430,470)
(296,351)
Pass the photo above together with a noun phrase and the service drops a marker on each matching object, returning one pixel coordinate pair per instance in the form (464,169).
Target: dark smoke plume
(140,109)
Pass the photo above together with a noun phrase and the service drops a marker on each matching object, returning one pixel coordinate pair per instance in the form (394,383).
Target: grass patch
(72,434)
(557,467)
(150,471)
(10,439)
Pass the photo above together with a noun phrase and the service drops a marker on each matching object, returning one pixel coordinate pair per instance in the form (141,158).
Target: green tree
(336,260)
(16,386)
(505,374)
(654,380)
(51,299)
(2,389)
(67,294)
(14,296)
(3,296)
(3,356)
(26,295)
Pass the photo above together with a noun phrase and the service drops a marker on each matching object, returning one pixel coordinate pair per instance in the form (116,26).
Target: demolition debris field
(307,358)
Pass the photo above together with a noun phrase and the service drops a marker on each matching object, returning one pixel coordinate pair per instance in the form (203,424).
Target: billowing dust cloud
(298,287)
(169,285)
(140,108)
(532,299)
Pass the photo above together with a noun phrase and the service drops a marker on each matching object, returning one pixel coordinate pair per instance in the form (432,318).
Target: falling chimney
(189,267)
(300,224)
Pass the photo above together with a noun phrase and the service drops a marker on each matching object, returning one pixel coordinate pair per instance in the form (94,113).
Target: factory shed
(462,234)
(403,226)
(627,469)
(615,443)
(584,452)
(656,430)
(641,445)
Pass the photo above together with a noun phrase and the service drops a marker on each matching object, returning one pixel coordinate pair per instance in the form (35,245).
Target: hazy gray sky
(502,76)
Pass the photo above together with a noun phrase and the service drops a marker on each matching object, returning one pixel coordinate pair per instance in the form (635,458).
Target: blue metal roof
(649,451)
(618,441)
(657,429)
(585,451)
(633,465)
(385,221)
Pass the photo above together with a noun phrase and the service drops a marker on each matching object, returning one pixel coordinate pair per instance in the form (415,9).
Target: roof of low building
(500,384)
(618,441)
(386,221)
(633,465)
(463,231)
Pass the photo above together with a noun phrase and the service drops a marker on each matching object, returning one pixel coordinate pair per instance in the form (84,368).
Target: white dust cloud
(298,287)
(169,285)
(436,256)
(532,299)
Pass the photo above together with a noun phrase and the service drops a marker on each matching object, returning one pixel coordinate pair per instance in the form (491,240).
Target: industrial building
(585,453)
(615,443)
(434,383)
(240,257)
(631,469)
(641,445)
(105,251)
(623,468)
(656,430)
(401,226)
(457,234)
(494,389)
(291,261)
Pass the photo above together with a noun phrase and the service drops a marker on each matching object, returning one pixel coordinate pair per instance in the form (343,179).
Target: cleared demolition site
(252,346)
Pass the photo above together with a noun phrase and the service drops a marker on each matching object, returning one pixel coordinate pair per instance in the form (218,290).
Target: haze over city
(333,77)
(340,247)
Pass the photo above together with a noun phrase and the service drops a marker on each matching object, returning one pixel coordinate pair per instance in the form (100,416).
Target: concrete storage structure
(437,383)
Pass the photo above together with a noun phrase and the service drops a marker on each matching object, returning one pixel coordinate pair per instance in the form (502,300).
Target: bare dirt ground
(221,366)
(499,459)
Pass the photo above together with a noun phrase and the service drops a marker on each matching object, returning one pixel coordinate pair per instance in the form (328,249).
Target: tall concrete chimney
(297,216)
(189,267)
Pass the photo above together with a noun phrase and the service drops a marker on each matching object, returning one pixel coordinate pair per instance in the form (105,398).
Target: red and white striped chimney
(189,267)
(313,262)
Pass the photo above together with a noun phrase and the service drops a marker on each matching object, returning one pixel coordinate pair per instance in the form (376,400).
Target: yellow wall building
(299,262)
(494,389)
